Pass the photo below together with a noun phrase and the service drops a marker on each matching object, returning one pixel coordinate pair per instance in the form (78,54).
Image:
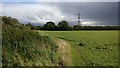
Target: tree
(30,26)
(77,27)
(50,26)
(63,25)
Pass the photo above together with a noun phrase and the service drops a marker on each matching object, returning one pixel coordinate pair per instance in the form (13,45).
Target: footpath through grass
(91,48)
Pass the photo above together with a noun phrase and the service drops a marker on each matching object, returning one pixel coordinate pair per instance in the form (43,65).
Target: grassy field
(90,48)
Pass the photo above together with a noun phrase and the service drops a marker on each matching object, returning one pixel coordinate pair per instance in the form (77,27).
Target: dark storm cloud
(105,13)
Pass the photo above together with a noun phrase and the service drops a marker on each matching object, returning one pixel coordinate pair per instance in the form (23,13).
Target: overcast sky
(59,0)
(92,13)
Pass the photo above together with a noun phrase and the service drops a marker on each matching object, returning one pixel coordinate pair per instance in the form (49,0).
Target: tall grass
(24,47)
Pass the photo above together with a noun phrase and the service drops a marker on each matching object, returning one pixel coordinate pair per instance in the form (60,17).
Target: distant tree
(76,27)
(50,26)
(39,28)
(63,25)
(30,25)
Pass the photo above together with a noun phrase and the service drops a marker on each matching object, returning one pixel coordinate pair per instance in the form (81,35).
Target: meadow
(89,48)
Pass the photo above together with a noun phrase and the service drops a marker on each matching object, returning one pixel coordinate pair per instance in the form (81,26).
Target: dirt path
(64,51)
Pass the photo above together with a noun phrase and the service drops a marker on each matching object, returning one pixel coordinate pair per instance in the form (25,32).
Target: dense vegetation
(24,47)
(90,48)
(64,25)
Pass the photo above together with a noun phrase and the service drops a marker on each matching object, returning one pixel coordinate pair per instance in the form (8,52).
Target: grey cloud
(104,13)
(59,0)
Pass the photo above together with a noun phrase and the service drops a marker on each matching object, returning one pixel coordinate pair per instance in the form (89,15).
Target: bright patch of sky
(35,13)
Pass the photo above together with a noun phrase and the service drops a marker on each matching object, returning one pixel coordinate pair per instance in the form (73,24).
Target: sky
(37,13)
(59,0)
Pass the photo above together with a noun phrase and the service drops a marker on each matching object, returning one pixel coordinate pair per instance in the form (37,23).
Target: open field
(91,48)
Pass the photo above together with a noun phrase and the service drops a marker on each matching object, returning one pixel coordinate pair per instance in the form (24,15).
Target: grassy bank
(24,47)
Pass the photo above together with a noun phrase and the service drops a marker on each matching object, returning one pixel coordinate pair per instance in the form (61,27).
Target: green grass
(24,47)
(27,48)
(99,48)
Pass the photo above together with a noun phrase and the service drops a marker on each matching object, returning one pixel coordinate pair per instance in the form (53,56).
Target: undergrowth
(23,47)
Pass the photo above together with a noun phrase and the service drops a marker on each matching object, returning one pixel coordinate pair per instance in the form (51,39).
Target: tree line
(63,25)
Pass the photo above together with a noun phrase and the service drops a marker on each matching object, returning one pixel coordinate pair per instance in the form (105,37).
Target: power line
(79,22)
